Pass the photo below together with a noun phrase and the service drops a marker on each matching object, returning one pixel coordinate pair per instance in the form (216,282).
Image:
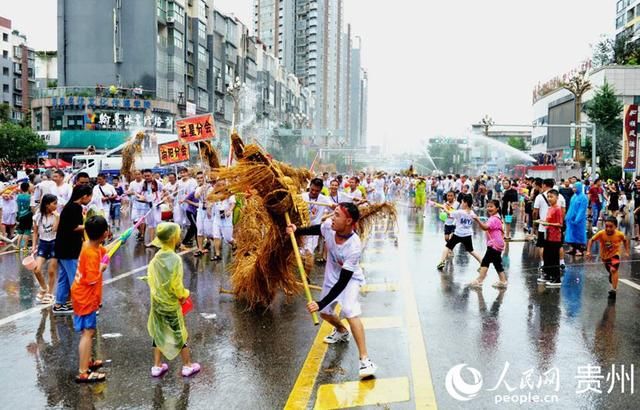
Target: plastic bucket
(187,306)
(508,219)
(29,262)
(443,216)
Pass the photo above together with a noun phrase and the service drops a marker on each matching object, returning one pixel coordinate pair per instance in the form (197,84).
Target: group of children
(459,217)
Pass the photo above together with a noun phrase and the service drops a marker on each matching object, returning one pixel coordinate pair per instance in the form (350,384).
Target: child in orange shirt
(610,240)
(86,296)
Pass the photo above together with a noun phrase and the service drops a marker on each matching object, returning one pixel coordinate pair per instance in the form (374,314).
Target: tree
(517,143)
(621,50)
(605,110)
(578,85)
(5,112)
(442,151)
(18,144)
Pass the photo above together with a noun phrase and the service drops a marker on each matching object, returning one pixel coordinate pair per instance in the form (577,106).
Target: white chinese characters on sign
(120,121)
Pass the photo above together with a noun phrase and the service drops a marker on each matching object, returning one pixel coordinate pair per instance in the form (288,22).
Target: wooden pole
(303,274)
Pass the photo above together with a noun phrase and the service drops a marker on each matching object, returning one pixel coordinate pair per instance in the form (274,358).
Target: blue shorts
(115,210)
(85,322)
(46,249)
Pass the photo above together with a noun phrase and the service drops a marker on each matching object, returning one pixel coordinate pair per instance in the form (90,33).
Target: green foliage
(620,50)
(613,172)
(18,144)
(517,143)
(5,112)
(442,151)
(605,110)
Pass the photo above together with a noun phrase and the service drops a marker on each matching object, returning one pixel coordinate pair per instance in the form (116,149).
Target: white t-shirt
(343,256)
(108,191)
(45,226)
(464,222)
(185,188)
(450,221)
(342,197)
(63,192)
(225,206)
(43,188)
(316,212)
(357,194)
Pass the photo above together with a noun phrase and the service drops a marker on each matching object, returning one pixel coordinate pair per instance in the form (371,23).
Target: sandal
(159,371)
(475,285)
(198,254)
(500,285)
(188,371)
(90,377)
(96,364)
(41,295)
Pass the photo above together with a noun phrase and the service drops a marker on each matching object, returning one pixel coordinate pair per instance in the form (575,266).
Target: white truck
(110,164)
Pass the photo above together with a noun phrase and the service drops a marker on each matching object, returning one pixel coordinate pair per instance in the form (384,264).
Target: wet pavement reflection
(526,340)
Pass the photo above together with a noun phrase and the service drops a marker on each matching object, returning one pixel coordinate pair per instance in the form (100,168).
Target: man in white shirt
(139,206)
(354,190)
(540,209)
(186,185)
(379,185)
(45,186)
(222,223)
(103,193)
(62,190)
(316,212)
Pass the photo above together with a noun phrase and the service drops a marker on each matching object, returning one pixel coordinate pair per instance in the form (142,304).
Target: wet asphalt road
(252,360)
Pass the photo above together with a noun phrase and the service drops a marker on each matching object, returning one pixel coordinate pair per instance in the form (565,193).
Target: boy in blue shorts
(86,296)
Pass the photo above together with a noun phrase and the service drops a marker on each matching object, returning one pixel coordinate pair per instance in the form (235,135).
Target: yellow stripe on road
(303,388)
(379,287)
(362,393)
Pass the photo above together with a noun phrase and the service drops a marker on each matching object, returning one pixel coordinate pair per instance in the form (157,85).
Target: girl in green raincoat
(166,320)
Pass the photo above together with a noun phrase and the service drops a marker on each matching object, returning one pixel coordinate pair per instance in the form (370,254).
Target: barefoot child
(463,233)
(342,279)
(495,246)
(86,296)
(166,321)
(45,226)
(610,240)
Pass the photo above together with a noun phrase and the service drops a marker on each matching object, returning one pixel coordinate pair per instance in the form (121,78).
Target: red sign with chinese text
(198,128)
(173,153)
(630,137)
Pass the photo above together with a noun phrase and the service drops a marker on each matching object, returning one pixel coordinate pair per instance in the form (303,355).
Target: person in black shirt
(508,199)
(566,190)
(69,244)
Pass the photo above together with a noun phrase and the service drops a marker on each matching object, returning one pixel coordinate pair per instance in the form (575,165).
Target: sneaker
(612,294)
(336,337)
(553,284)
(440,265)
(367,368)
(188,371)
(62,310)
(543,279)
(159,371)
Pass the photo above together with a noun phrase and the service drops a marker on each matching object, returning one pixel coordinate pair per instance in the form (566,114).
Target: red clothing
(86,291)
(594,194)
(554,216)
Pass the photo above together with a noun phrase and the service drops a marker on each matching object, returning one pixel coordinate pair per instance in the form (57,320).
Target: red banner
(198,128)
(630,137)
(173,152)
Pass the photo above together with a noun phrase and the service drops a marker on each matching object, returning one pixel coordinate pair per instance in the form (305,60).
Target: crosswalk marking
(362,393)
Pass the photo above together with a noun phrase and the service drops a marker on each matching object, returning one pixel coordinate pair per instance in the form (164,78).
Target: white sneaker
(336,337)
(367,368)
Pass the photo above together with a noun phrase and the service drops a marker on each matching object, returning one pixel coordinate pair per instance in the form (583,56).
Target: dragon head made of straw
(132,148)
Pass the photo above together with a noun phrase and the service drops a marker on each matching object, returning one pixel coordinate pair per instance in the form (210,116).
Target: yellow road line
(379,287)
(303,388)
(362,393)
(424,394)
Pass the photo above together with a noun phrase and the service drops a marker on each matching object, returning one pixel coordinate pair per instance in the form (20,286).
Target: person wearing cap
(166,321)
(343,277)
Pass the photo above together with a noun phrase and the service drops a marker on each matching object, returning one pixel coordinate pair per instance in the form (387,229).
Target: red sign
(173,152)
(630,137)
(198,128)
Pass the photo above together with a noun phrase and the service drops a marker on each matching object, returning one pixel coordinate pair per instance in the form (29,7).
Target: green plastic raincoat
(166,322)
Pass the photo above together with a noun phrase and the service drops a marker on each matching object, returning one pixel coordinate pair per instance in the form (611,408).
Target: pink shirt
(495,238)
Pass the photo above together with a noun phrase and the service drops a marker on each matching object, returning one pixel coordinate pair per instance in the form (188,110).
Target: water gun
(122,239)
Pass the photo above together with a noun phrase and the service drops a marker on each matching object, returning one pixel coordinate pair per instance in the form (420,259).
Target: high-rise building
(308,38)
(18,70)
(628,17)
(160,46)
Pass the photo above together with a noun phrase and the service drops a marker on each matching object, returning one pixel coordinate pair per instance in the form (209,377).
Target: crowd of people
(65,221)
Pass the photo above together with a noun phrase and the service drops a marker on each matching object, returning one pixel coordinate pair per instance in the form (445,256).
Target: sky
(435,67)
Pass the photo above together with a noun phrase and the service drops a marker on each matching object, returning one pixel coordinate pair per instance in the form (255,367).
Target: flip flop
(90,377)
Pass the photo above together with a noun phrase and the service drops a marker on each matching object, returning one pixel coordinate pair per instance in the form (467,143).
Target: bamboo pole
(303,274)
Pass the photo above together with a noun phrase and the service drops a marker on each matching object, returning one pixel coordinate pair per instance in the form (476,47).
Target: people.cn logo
(458,388)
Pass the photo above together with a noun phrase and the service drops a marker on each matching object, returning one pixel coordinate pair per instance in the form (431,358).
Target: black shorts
(492,256)
(449,229)
(541,240)
(466,241)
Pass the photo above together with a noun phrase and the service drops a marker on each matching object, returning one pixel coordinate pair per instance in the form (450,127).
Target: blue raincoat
(576,218)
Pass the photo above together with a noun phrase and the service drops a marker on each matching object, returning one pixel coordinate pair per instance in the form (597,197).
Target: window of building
(202,32)
(5,88)
(5,53)
(202,10)
(619,6)
(636,99)
(620,21)
(178,39)
(202,55)
(5,37)
(5,70)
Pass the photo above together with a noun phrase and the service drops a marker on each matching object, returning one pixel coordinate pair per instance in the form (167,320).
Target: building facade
(628,17)
(311,39)
(18,71)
